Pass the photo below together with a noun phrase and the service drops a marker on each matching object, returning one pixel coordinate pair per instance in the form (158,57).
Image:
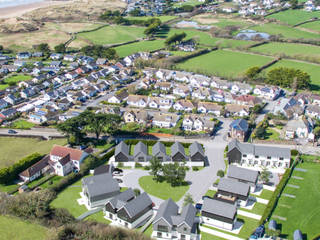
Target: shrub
(195,168)
(220,173)
(294,152)
(146,168)
(120,165)
(137,191)
(137,165)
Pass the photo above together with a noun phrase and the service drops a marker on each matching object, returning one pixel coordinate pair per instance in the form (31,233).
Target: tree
(252,72)
(175,38)
(260,132)
(264,175)
(43,47)
(316,131)
(73,127)
(257,108)
(1,48)
(188,199)
(61,48)
(137,191)
(135,13)
(220,173)
(156,168)
(294,3)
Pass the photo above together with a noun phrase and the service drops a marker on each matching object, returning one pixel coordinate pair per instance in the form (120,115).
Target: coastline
(19,10)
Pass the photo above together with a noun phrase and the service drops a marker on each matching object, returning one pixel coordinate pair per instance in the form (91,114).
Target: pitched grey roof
(158,147)
(100,184)
(166,210)
(272,225)
(247,148)
(138,204)
(121,199)
(140,148)
(122,147)
(177,147)
(297,235)
(233,186)
(188,214)
(242,173)
(194,148)
(219,208)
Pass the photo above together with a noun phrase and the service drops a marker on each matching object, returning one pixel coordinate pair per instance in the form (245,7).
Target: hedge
(153,142)
(275,196)
(9,174)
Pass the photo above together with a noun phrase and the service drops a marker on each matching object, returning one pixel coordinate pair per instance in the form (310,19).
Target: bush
(195,168)
(147,168)
(220,173)
(137,165)
(137,191)
(120,165)
(294,152)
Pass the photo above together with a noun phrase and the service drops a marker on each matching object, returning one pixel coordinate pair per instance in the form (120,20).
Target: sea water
(13,3)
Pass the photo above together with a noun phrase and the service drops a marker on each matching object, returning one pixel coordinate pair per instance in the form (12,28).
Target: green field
(312,69)
(285,31)
(22,124)
(293,17)
(302,212)
(289,49)
(13,149)
(16,229)
(187,2)
(222,23)
(224,63)
(312,25)
(14,79)
(144,46)
(113,34)
(162,190)
(162,18)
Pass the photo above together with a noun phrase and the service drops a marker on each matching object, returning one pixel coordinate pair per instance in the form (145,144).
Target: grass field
(162,190)
(271,135)
(13,149)
(224,63)
(14,79)
(302,212)
(187,2)
(16,229)
(209,19)
(295,16)
(312,69)
(162,18)
(258,208)
(312,25)
(144,46)
(22,124)
(112,35)
(285,31)
(289,49)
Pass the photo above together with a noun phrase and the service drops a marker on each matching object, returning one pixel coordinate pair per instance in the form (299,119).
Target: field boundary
(307,21)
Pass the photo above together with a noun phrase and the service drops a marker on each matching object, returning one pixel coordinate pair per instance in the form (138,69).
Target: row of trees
(176,38)
(99,52)
(172,173)
(89,122)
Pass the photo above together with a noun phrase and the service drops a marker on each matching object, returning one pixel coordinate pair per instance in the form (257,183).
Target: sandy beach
(17,11)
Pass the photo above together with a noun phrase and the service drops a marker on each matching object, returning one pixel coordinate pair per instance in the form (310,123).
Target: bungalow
(208,107)
(36,170)
(183,105)
(164,86)
(177,153)
(98,189)
(19,63)
(138,101)
(233,192)
(137,116)
(118,97)
(236,110)
(142,84)
(248,100)
(219,214)
(182,77)
(257,156)
(165,120)
(244,175)
(221,84)
(239,129)
(71,75)
(170,224)
(181,90)
(160,103)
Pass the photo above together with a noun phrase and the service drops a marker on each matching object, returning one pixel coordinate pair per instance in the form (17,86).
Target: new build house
(170,224)
(258,156)
(244,175)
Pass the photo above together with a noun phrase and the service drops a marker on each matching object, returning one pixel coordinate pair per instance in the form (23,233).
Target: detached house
(197,123)
(137,116)
(170,224)
(313,111)
(239,129)
(269,93)
(138,101)
(165,120)
(237,110)
(300,128)
(177,152)
(164,86)
(244,175)
(118,98)
(248,100)
(208,107)
(160,103)
(36,170)
(181,90)
(183,105)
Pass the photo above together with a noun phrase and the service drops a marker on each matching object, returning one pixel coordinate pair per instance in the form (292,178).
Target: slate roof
(233,186)
(100,184)
(140,147)
(219,208)
(103,169)
(120,200)
(188,214)
(242,173)
(240,125)
(138,204)
(177,147)
(195,148)
(123,148)
(166,210)
(158,147)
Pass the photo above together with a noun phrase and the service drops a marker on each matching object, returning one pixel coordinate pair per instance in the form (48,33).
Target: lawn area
(187,2)
(98,217)
(207,236)
(210,193)
(68,199)
(312,25)
(295,16)
(46,184)
(309,158)
(271,135)
(258,208)
(148,231)
(312,69)
(13,149)
(14,79)
(223,63)
(162,190)
(16,229)
(266,194)
(285,31)
(162,18)
(302,212)
(113,34)
(289,49)
(22,124)
(144,46)
(8,188)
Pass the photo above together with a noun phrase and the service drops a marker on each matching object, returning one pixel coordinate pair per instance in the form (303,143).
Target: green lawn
(266,194)
(14,79)
(207,236)
(46,184)
(302,212)
(210,193)
(68,199)
(144,46)
(113,34)
(22,124)
(8,188)
(312,25)
(285,31)
(309,158)
(148,231)
(98,217)
(293,17)
(258,208)
(16,229)
(13,149)
(271,135)
(187,2)
(289,49)
(223,22)
(162,190)
(312,69)
(162,18)
(223,63)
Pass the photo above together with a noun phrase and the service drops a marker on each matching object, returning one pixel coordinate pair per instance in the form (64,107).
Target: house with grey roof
(129,211)
(258,156)
(244,175)
(141,152)
(177,152)
(169,223)
(196,152)
(98,189)
(122,153)
(159,151)
(219,214)
(233,192)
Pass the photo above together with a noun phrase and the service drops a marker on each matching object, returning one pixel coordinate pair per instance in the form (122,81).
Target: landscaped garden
(298,205)
(162,190)
(13,80)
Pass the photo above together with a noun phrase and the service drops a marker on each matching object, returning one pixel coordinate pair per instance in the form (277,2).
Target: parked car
(258,233)
(117,173)
(199,206)
(117,170)
(10,131)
